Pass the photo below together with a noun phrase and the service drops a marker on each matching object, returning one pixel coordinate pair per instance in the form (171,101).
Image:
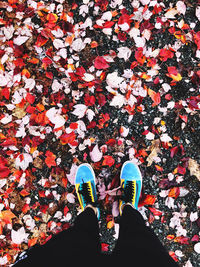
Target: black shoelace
(128,191)
(87,194)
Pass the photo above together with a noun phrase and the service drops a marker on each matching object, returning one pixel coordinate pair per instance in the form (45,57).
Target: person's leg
(81,241)
(75,243)
(137,242)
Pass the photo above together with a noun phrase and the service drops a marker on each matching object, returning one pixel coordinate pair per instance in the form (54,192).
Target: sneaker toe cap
(84,173)
(131,171)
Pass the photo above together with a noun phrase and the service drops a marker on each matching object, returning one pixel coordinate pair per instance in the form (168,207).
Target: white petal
(80,110)
(88,77)
(19,236)
(165,138)
(118,100)
(197,247)
(24,163)
(197,13)
(193,216)
(3,80)
(181,7)
(124,52)
(19,40)
(56,86)
(6,119)
(58,43)
(72,174)
(107,15)
(29,83)
(139,41)
(63,53)
(144,2)
(90,114)
(113,80)
(96,154)
(78,45)
(150,136)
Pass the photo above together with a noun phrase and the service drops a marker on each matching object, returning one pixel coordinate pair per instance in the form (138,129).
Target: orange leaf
(52,18)
(108,160)
(50,159)
(26,73)
(24,193)
(7,216)
(34,60)
(174,192)
(110,224)
(159,168)
(170,237)
(32,242)
(149,200)
(154,96)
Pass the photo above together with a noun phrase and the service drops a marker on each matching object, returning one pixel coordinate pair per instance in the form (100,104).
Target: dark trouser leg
(138,244)
(76,244)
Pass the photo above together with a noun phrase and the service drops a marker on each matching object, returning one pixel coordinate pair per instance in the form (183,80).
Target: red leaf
(30,98)
(44,208)
(174,74)
(73,125)
(89,100)
(165,54)
(80,71)
(101,100)
(173,151)
(104,247)
(195,238)
(184,118)
(108,24)
(49,74)
(66,210)
(100,63)
(181,169)
(52,18)
(4,172)
(111,142)
(11,141)
(155,211)
(108,160)
(68,139)
(182,240)
(173,255)
(5,92)
(139,56)
(41,40)
(50,159)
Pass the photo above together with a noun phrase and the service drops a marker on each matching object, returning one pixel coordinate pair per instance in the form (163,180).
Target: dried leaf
(194,168)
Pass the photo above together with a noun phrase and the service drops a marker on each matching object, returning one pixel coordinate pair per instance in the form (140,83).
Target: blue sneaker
(131,184)
(86,187)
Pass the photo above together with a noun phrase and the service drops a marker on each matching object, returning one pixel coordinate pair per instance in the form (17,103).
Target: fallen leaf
(50,159)
(100,63)
(7,216)
(194,168)
(155,149)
